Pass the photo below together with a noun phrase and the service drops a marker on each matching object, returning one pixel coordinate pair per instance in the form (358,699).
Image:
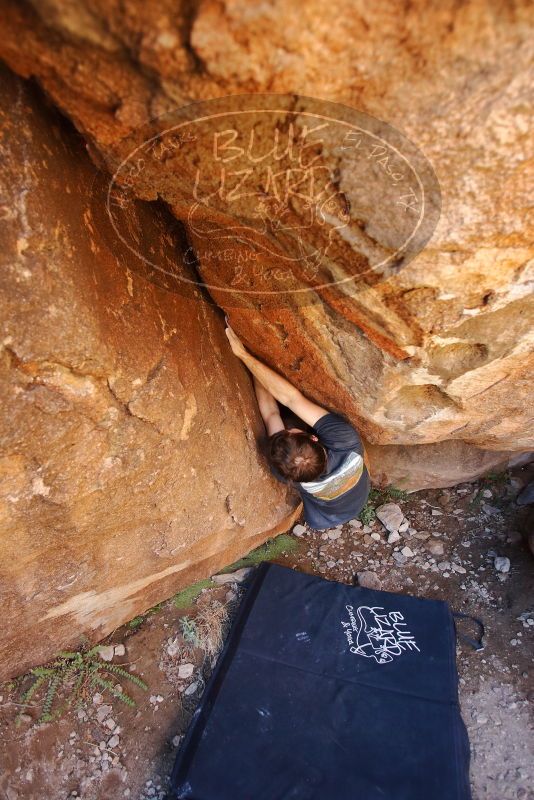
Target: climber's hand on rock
(236,344)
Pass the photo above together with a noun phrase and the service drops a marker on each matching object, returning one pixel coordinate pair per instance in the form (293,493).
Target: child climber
(326,467)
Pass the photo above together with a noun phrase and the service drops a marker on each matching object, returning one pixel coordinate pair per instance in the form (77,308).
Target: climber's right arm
(281,389)
(305,409)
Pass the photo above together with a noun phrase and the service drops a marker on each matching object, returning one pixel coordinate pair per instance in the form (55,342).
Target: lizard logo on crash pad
(375,633)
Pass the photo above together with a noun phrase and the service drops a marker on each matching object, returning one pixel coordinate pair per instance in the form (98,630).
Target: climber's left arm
(269,410)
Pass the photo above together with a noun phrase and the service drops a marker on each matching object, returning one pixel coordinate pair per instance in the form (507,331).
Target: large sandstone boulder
(435,354)
(128,463)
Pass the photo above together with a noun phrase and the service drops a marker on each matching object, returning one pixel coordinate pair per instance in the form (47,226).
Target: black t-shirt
(340,493)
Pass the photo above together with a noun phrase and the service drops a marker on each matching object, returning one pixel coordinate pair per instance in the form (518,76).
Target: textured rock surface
(128,462)
(437,356)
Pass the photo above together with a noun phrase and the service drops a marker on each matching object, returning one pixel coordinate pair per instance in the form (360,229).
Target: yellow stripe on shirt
(345,477)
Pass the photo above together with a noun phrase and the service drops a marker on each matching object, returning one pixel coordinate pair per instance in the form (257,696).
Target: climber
(326,466)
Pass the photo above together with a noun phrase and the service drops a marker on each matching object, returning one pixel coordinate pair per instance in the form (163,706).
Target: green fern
(51,692)
(496,477)
(74,674)
(116,670)
(392,493)
(76,689)
(44,671)
(28,694)
(103,683)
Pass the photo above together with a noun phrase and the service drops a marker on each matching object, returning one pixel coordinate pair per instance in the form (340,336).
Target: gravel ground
(462,545)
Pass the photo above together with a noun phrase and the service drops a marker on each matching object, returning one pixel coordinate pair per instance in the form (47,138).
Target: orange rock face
(437,351)
(129,464)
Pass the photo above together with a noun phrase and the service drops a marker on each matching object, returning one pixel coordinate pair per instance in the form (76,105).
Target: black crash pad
(325,691)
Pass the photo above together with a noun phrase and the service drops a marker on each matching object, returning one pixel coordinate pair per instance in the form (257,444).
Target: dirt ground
(108,751)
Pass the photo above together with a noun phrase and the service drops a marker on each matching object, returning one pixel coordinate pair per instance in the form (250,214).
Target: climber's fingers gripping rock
(236,344)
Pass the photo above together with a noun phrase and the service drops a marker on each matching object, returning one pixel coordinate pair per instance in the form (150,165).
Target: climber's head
(297,455)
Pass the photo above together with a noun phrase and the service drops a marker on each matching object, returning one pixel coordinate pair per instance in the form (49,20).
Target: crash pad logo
(374,633)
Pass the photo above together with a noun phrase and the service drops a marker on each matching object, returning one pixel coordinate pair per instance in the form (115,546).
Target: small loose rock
(103,712)
(173,648)
(185,670)
(106,652)
(435,547)
(232,577)
(391,516)
(155,699)
(369,580)
(502,564)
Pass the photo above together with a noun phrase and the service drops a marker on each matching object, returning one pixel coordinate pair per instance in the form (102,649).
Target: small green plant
(392,493)
(498,478)
(494,481)
(367,514)
(273,548)
(476,500)
(190,631)
(75,675)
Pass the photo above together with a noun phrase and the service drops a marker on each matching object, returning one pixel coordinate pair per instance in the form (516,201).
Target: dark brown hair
(296,456)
